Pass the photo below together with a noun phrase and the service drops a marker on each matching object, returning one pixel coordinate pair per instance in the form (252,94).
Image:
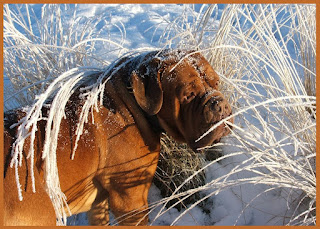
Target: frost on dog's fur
(91,84)
(62,88)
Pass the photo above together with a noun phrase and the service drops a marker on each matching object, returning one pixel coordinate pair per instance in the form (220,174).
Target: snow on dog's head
(182,90)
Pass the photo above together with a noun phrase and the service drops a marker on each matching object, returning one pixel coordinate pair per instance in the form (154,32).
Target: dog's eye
(188,98)
(191,95)
(214,83)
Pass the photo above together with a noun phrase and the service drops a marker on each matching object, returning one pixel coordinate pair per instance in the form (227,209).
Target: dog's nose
(216,108)
(220,106)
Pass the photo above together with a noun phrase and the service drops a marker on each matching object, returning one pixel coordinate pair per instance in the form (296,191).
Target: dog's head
(182,90)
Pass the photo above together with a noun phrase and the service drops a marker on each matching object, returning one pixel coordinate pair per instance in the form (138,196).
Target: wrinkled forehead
(194,65)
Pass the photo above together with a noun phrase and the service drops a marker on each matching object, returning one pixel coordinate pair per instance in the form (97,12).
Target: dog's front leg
(129,205)
(99,212)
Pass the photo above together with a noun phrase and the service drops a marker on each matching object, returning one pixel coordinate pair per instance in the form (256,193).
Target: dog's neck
(149,126)
(154,123)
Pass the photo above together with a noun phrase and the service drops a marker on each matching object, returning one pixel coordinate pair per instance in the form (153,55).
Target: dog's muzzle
(216,108)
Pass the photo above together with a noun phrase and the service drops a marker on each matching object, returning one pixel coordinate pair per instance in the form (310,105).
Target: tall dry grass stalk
(177,162)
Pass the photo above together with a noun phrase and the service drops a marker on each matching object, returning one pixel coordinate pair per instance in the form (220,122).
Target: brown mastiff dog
(117,156)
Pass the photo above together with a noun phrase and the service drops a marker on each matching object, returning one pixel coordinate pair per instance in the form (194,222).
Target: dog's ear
(147,86)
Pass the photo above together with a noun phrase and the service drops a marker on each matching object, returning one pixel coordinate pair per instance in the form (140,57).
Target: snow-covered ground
(143,26)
